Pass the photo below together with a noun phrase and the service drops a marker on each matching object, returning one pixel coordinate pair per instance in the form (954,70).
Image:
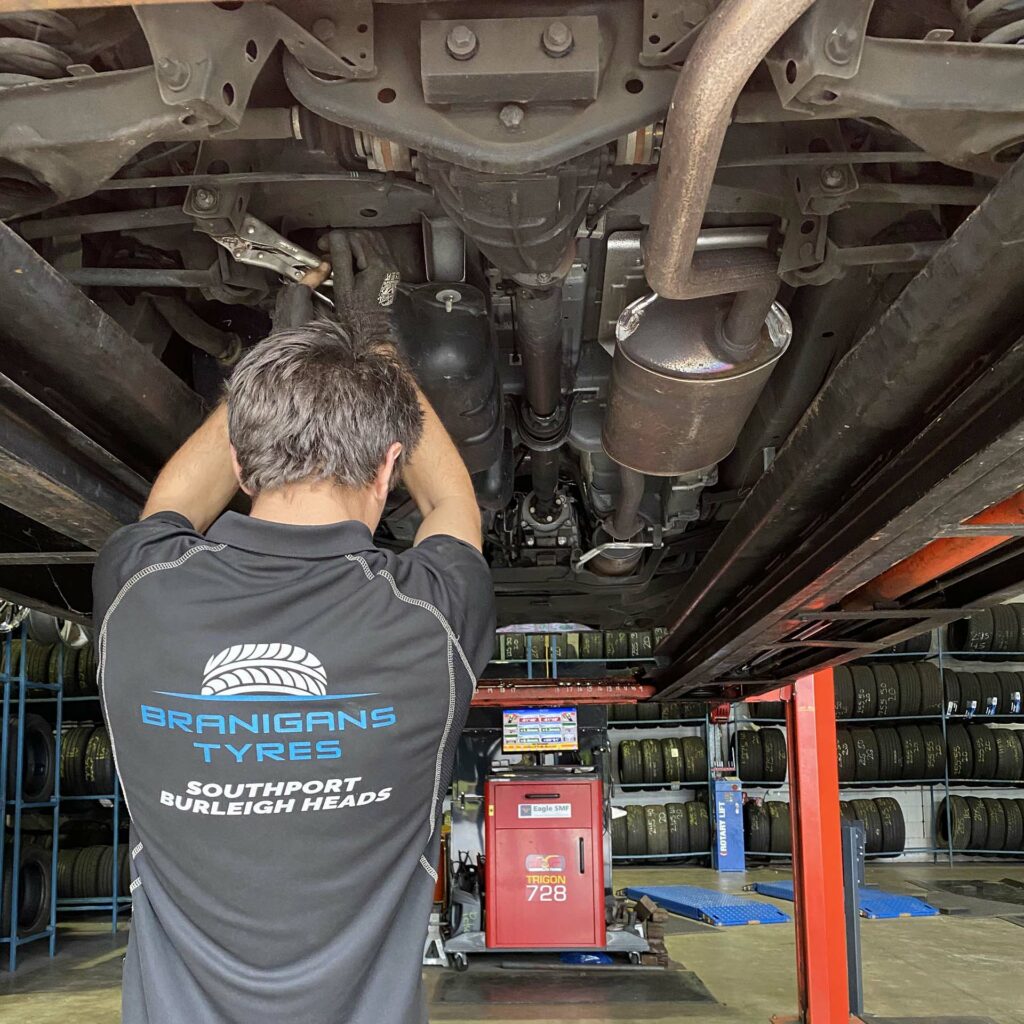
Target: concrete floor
(946,967)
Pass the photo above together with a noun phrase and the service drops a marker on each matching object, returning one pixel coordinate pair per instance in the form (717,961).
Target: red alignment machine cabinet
(544,863)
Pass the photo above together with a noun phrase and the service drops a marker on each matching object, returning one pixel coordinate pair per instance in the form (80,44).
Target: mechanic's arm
(439,483)
(199,480)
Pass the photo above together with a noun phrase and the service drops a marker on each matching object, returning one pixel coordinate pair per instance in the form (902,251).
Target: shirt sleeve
(133,547)
(455,577)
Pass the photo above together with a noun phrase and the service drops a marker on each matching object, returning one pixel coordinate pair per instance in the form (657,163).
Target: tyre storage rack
(940,788)
(79,710)
(16,687)
(551,655)
(544,652)
(627,794)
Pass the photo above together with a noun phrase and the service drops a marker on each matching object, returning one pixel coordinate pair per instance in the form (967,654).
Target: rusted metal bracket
(826,41)
(670,28)
(207,58)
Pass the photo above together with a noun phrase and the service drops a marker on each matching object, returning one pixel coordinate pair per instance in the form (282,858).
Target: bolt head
(840,44)
(204,199)
(511,115)
(561,542)
(324,29)
(461,42)
(833,176)
(529,542)
(557,39)
(174,73)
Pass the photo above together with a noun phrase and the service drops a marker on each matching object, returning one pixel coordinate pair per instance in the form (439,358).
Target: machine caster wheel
(634,958)
(460,962)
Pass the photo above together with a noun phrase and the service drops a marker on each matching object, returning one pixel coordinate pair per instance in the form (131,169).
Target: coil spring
(990,21)
(30,46)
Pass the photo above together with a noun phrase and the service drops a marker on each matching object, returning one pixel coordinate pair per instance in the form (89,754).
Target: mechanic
(283,696)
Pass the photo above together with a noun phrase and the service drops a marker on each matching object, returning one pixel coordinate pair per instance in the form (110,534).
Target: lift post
(822,981)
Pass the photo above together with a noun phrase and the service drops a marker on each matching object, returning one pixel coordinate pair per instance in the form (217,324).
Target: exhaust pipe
(734,40)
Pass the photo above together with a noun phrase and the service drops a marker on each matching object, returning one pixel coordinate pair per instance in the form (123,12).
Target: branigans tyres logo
(265,705)
(283,669)
(266,702)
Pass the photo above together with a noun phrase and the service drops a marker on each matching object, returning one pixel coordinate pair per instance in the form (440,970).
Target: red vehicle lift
(822,982)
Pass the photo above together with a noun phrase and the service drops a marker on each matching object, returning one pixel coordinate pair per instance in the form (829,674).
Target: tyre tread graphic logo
(244,669)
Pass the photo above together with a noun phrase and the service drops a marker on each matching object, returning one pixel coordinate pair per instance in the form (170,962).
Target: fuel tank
(444,332)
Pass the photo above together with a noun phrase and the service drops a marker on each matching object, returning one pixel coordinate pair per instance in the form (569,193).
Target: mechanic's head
(324,405)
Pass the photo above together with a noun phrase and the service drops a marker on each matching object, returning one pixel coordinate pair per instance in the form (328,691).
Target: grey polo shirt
(284,704)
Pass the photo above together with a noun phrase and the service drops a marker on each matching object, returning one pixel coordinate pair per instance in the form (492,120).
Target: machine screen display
(527,729)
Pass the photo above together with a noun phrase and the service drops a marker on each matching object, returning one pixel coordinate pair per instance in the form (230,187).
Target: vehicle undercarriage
(633,240)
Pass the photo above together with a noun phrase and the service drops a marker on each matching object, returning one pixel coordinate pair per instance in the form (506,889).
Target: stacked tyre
(994,632)
(767,827)
(662,830)
(914,753)
(760,755)
(889,754)
(980,823)
(88,872)
(650,711)
(34,887)
(86,761)
(36,657)
(903,690)
(984,753)
(885,828)
(43,665)
(38,759)
(984,689)
(81,676)
(659,762)
(767,710)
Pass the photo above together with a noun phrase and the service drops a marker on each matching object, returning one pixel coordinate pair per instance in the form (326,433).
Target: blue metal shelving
(15,697)
(117,901)
(16,689)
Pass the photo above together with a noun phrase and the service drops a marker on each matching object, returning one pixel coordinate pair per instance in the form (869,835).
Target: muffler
(680,391)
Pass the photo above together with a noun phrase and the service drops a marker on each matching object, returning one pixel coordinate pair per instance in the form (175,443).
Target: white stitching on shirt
(370,575)
(136,850)
(136,882)
(132,580)
(453,642)
(429,868)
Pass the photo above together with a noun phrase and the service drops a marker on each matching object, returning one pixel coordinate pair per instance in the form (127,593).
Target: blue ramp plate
(777,890)
(873,903)
(717,908)
(888,904)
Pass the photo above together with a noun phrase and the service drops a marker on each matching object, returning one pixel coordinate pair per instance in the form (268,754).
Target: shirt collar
(263,537)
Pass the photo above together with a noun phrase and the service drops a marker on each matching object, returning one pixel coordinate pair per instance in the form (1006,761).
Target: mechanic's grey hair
(322,402)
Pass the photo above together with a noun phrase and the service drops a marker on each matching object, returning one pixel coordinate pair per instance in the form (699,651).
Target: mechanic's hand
(377,273)
(365,274)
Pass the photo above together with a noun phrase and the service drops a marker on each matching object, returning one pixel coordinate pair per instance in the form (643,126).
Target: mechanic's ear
(238,471)
(384,479)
